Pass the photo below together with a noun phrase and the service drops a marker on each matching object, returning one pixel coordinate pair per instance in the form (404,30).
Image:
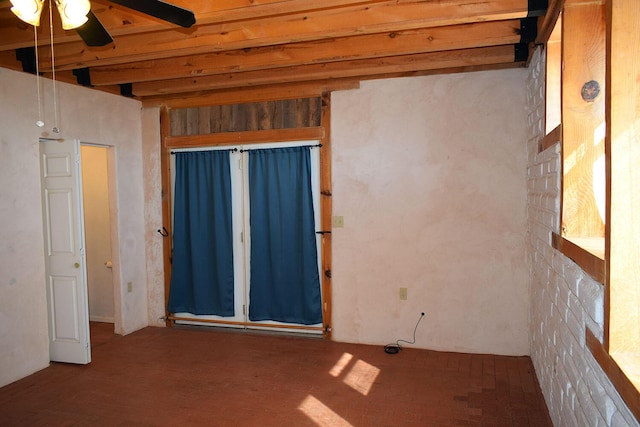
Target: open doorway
(97,224)
(66,250)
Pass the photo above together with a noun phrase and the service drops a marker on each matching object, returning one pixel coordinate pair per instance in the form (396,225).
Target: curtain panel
(202,269)
(284,279)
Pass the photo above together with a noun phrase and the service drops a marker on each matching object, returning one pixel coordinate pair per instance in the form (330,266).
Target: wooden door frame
(321,133)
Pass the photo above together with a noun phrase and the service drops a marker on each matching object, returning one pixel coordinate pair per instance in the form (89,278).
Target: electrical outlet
(129,286)
(337,222)
(403,294)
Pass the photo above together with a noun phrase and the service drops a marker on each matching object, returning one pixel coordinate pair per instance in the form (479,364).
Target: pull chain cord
(55,129)
(39,123)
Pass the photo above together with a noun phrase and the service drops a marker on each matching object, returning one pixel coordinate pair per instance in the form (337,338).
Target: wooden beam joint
(537,8)
(520,52)
(528,30)
(126,89)
(83,76)
(27,56)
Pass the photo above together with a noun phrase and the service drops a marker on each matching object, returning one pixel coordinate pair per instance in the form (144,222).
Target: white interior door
(65,258)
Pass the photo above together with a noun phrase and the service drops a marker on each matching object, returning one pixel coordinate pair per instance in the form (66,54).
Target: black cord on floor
(395,348)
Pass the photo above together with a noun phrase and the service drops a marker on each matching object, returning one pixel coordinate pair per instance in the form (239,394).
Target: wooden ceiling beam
(252,94)
(338,70)
(330,50)
(243,49)
(119,20)
(298,27)
(452,70)
(8,60)
(548,22)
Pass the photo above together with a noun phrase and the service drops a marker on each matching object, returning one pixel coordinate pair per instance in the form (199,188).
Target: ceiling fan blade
(159,9)
(93,32)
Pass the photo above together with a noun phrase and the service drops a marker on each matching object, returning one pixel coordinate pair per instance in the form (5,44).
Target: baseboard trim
(102,319)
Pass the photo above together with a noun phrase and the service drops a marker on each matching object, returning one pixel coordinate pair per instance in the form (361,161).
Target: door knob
(76,265)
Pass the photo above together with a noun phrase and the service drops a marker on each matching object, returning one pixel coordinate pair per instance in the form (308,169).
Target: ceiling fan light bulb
(73,13)
(28,11)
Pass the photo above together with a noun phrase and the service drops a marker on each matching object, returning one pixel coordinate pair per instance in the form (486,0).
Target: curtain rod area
(235,150)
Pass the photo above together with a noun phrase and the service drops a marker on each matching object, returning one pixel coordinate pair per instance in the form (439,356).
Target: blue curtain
(285,285)
(202,269)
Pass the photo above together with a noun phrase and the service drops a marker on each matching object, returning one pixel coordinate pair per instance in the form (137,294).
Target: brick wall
(564,300)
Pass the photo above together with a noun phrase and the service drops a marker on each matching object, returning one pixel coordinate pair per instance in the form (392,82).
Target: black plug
(392,348)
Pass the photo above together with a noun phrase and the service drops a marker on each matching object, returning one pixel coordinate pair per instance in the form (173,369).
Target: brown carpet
(207,377)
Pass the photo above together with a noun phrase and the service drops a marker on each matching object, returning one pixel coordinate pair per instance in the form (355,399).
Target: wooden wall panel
(268,115)
(583,47)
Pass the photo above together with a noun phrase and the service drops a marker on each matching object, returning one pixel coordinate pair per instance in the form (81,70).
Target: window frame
(321,133)
(599,266)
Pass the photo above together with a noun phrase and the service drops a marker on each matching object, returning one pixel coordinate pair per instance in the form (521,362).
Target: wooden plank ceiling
(237,45)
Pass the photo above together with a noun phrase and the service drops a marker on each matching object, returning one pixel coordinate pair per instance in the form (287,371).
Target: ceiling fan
(77,14)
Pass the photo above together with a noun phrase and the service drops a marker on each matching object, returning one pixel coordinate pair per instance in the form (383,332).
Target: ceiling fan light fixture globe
(28,11)
(73,13)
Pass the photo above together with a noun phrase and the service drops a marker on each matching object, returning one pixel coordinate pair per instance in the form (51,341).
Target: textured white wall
(429,174)
(90,116)
(23,310)
(564,300)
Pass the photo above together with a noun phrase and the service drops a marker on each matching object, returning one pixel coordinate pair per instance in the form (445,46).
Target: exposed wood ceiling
(272,44)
